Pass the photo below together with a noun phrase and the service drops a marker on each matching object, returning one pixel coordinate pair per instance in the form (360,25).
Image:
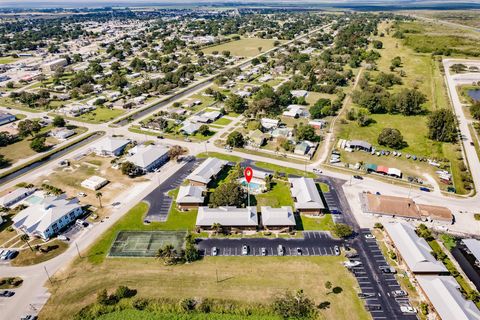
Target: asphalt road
(370,278)
(315,243)
(159,201)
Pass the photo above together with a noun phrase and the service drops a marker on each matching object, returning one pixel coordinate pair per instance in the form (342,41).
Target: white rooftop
(415,251)
(227,216)
(209,168)
(190,194)
(110,144)
(19,192)
(443,292)
(146,155)
(474,246)
(305,193)
(277,216)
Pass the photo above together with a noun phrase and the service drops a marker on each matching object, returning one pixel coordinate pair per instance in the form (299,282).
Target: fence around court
(145,243)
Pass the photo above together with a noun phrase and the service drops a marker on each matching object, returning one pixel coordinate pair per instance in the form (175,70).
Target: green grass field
(221,156)
(247,47)
(313,223)
(222,122)
(133,314)
(100,115)
(7,60)
(277,197)
(280,169)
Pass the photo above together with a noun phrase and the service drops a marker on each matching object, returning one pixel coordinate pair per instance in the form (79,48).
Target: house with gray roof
(413,250)
(190,197)
(359,145)
(189,128)
(15,196)
(206,172)
(227,217)
(149,158)
(305,195)
(48,216)
(277,218)
(444,296)
(6,117)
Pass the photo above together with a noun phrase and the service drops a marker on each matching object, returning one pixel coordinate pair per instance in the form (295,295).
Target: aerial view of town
(239,160)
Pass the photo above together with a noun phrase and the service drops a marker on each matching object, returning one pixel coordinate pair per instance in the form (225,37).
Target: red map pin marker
(248,173)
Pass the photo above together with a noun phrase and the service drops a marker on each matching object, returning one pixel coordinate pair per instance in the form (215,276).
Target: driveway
(315,243)
(159,201)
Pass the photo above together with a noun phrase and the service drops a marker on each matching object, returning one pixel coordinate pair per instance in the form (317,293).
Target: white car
(214,251)
(244,250)
(264,252)
(82,194)
(336,250)
(351,264)
(399,293)
(406,308)
(369,236)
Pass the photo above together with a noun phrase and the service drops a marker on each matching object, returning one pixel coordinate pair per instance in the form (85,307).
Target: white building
(15,196)
(412,249)
(110,147)
(62,133)
(306,196)
(205,172)
(229,217)
(54,65)
(275,218)
(149,158)
(190,197)
(443,293)
(47,217)
(94,183)
(296,111)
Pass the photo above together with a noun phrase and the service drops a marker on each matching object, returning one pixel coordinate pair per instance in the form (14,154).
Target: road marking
(307,251)
(362,282)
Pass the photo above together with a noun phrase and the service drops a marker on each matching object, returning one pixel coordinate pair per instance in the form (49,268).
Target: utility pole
(49,279)
(78,251)
(216,273)
(248,193)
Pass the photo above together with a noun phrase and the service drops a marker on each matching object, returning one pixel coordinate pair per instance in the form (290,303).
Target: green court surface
(145,243)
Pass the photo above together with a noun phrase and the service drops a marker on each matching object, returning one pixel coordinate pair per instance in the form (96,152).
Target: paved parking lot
(159,201)
(371,284)
(315,243)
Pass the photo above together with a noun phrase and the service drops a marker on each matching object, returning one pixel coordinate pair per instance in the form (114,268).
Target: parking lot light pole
(78,251)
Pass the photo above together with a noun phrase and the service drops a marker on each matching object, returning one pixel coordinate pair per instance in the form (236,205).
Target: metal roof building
(414,250)
(305,194)
(207,170)
(445,297)
(227,217)
(277,217)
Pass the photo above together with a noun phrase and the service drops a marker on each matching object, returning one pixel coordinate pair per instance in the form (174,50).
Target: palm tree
(25,238)
(216,227)
(99,195)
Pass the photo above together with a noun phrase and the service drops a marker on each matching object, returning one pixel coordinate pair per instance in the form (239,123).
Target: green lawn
(100,115)
(133,314)
(278,196)
(280,169)
(221,156)
(222,121)
(312,223)
(247,47)
(7,60)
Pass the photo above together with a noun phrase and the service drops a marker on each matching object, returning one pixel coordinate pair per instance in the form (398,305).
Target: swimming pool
(256,186)
(33,199)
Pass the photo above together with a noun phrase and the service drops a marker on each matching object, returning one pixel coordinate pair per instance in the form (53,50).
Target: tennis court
(145,243)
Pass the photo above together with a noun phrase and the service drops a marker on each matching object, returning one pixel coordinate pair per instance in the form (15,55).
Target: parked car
(82,194)
(244,250)
(358,177)
(214,251)
(425,189)
(299,251)
(264,252)
(30,317)
(336,250)
(317,171)
(399,293)
(369,236)
(280,250)
(388,269)
(406,308)
(6,293)
(365,295)
(63,238)
(352,264)
(372,307)
(12,255)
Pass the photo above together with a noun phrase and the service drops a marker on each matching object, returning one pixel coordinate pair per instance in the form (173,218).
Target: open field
(245,47)
(277,197)
(468,18)
(133,314)
(315,223)
(222,156)
(7,60)
(280,169)
(100,115)
(246,279)
(422,72)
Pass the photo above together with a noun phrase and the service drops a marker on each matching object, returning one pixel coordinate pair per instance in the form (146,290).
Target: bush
(378,225)
(125,292)
(188,304)
(140,303)
(342,230)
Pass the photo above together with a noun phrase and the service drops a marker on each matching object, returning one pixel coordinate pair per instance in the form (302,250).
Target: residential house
(6,117)
(110,146)
(189,128)
(306,196)
(317,123)
(206,172)
(15,196)
(62,133)
(54,65)
(299,93)
(256,138)
(227,217)
(278,218)
(269,124)
(359,145)
(47,217)
(296,111)
(190,197)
